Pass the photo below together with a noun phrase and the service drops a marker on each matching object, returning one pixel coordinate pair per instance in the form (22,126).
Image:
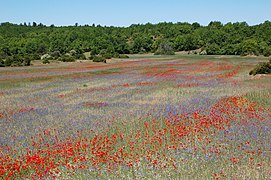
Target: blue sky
(127,12)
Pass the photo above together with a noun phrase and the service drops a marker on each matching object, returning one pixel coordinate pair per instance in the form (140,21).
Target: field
(146,117)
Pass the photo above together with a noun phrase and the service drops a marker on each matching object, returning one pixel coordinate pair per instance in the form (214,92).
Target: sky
(127,12)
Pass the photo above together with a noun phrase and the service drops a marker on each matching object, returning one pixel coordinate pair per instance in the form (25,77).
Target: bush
(107,55)
(66,58)
(16,60)
(2,63)
(73,52)
(31,56)
(262,68)
(55,55)
(123,56)
(165,49)
(99,59)
(77,55)
(115,55)
(8,61)
(26,61)
(91,57)
(267,52)
(45,61)
(80,56)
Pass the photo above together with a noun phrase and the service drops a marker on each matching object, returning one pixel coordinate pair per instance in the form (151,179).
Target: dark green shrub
(73,53)
(20,60)
(115,55)
(8,61)
(99,59)
(262,68)
(91,57)
(80,56)
(94,51)
(33,56)
(16,60)
(2,63)
(107,55)
(165,49)
(66,58)
(77,55)
(2,55)
(267,52)
(124,56)
(26,61)
(45,61)
(55,54)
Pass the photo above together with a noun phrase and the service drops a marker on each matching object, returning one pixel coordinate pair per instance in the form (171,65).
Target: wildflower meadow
(146,117)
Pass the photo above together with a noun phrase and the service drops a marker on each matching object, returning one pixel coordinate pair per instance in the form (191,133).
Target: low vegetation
(97,58)
(262,68)
(165,49)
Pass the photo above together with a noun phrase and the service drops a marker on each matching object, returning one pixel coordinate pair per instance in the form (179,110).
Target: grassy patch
(262,97)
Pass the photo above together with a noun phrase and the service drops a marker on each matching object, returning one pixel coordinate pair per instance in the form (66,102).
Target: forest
(22,43)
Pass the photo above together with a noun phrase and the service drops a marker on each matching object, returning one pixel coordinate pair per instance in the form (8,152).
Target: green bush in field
(66,58)
(116,55)
(55,55)
(26,61)
(80,56)
(99,59)
(124,56)
(107,56)
(262,68)
(16,60)
(8,61)
(165,49)
(45,61)
(77,55)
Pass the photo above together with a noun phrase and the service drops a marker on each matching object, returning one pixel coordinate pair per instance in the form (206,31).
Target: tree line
(19,44)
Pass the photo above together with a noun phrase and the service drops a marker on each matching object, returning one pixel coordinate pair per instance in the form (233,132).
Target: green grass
(8,85)
(262,97)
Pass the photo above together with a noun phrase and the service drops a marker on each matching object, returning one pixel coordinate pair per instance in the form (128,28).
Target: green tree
(213,49)
(141,44)
(249,47)
(165,48)
(18,42)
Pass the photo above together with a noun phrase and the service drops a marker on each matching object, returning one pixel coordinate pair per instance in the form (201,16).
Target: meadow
(146,117)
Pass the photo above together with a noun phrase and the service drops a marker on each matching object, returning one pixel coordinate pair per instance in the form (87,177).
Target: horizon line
(30,24)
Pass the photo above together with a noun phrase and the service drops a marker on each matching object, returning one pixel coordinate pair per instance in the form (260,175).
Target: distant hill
(19,44)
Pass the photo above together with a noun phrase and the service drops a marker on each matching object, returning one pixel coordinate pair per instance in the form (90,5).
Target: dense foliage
(19,44)
(261,68)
